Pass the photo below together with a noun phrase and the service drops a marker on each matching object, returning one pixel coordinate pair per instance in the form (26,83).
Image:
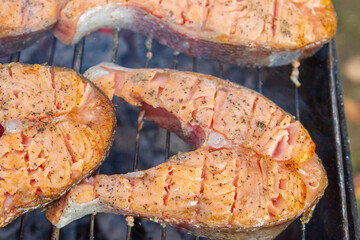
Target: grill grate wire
(52,51)
(339,150)
(167,142)
(140,123)
(76,65)
(260,82)
(115,47)
(22,226)
(77,62)
(15,57)
(167,145)
(297,111)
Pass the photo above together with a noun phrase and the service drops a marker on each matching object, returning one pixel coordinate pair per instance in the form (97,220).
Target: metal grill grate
(319,72)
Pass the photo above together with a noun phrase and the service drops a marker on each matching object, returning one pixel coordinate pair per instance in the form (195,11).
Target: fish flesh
(253,171)
(222,194)
(24,22)
(56,128)
(247,32)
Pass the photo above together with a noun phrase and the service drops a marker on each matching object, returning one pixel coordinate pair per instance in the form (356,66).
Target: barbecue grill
(317,103)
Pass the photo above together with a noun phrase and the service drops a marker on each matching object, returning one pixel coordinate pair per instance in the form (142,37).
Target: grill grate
(340,165)
(323,69)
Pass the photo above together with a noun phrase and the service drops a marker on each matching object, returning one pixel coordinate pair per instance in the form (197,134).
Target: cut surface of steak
(248,32)
(253,172)
(55,129)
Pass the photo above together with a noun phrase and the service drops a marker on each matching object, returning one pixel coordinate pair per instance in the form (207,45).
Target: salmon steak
(247,32)
(56,128)
(253,171)
(24,22)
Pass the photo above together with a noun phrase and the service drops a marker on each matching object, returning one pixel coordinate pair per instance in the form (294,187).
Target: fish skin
(192,97)
(249,32)
(225,189)
(12,44)
(57,129)
(24,22)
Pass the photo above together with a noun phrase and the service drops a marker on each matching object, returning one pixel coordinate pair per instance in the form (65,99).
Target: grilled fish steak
(253,172)
(24,22)
(56,127)
(249,32)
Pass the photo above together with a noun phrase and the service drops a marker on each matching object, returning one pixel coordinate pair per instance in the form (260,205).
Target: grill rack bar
(339,156)
(140,124)
(78,55)
(92,224)
(342,147)
(15,57)
(115,47)
(297,115)
(353,223)
(297,112)
(76,65)
(77,60)
(221,70)
(297,108)
(260,82)
(167,143)
(22,226)
(52,51)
